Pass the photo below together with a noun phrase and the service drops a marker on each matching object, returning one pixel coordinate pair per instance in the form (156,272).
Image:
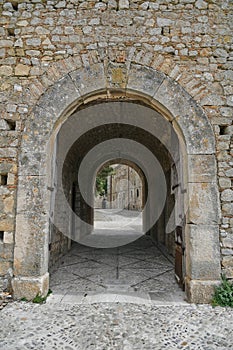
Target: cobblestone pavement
(110,326)
(123,298)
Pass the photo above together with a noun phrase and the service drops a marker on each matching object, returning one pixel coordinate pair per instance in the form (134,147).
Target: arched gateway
(141,106)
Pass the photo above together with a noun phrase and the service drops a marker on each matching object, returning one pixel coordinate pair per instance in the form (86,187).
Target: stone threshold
(151,298)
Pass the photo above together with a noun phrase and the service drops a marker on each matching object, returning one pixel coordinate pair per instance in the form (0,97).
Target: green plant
(101,180)
(41,300)
(23,299)
(223,294)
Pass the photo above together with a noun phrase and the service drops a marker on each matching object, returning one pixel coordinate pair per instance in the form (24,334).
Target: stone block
(6,250)
(123,4)
(60,4)
(6,70)
(226,111)
(204,205)
(202,252)
(9,139)
(143,79)
(30,287)
(32,195)
(7,166)
(22,70)
(224,182)
(35,144)
(222,146)
(4,125)
(229,172)
(8,203)
(227,195)
(200,292)
(4,267)
(5,284)
(164,22)
(57,99)
(8,238)
(31,243)
(8,152)
(228,272)
(23,23)
(231,222)
(201,5)
(227,209)
(7,224)
(229,130)
(35,42)
(202,168)
(198,135)
(89,79)
(227,261)
(117,76)
(6,43)
(32,163)
(112,4)
(230,100)
(227,251)
(212,100)
(11,179)
(38,126)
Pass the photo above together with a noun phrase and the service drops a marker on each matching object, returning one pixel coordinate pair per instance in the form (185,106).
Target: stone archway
(34,187)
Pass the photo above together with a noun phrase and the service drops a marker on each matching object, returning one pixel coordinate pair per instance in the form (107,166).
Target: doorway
(136,204)
(147,101)
(118,206)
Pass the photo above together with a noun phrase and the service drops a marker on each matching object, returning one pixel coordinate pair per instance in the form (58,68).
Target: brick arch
(139,83)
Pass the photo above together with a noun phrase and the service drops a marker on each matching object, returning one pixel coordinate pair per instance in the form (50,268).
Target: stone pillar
(202,262)
(30,269)
(31,239)
(202,230)
(32,216)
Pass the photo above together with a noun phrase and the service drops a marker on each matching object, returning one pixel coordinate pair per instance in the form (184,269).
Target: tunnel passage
(130,125)
(119,216)
(43,152)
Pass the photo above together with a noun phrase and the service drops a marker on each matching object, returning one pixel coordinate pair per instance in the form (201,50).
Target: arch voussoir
(188,116)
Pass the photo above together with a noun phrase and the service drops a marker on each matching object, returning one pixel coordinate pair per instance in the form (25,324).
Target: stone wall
(43,40)
(125,189)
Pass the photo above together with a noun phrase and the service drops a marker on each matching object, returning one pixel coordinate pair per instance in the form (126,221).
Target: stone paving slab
(115,326)
(138,267)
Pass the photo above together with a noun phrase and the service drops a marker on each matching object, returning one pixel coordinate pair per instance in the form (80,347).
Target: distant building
(124,188)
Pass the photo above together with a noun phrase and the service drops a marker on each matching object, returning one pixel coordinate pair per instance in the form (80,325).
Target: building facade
(124,189)
(77,74)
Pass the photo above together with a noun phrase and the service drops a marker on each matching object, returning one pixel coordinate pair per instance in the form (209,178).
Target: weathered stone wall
(43,40)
